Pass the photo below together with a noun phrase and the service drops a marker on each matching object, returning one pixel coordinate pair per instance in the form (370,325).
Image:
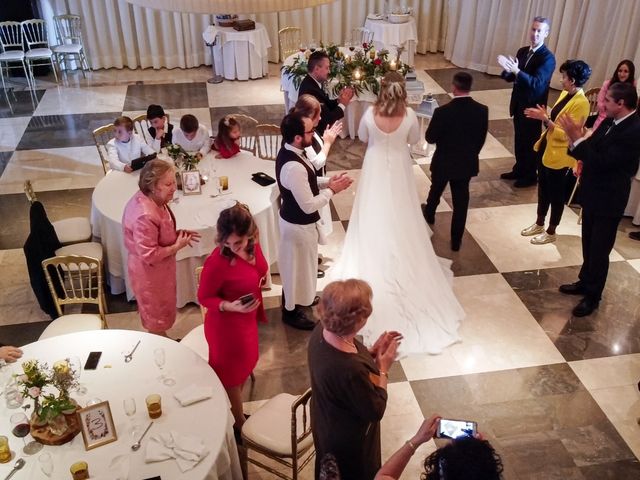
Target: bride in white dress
(388,242)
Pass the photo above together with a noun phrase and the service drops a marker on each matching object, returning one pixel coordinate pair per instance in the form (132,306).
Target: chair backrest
(300,413)
(269,140)
(68,28)
(289,39)
(203,310)
(361,35)
(35,33)
(28,191)
(248,126)
(592,96)
(11,35)
(79,279)
(141,126)
(101,137)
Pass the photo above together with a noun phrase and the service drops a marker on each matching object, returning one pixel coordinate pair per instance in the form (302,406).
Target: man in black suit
(530,73)
(314,83)
(458,129)
(609,160)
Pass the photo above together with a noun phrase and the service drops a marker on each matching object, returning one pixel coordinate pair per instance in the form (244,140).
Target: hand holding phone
(452,429)
(246,299)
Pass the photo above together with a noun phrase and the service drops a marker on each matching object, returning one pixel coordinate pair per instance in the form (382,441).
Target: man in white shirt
(126,146)
(192,136)
(303,195)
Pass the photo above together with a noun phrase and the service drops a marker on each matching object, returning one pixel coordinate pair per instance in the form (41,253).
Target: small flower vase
(58,425)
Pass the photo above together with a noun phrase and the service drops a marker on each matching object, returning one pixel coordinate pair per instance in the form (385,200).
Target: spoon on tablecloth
(136,446)
(129,356)
(18,465)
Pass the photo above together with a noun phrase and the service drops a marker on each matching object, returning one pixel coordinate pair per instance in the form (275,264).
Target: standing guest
(192,136)
(625,73)
(530,73)
(227,141)
(230,291)
(303,194)
(610,159)
(552,147)
(349,382)
(459,130)
(308,106)
(314,84)
(152,242)
(126,146)
(161,130)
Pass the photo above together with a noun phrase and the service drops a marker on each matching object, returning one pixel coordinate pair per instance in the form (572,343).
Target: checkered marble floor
(556,395)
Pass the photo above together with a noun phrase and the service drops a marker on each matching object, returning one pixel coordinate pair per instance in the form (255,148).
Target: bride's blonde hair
(392,99)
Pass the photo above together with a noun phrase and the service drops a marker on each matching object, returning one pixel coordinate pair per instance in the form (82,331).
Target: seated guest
(161,130)
(227,141)
(461,459)
(349,382)
(230,291)
(192,136)
(9,354)
(126,146)
(625,73)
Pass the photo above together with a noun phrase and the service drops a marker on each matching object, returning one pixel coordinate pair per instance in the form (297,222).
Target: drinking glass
(205,173)
(12,395)
(313,45)
(46,464)
(5,451)
(79,471)
(154,405)
(76,365)
(160,358)
(302,47)
(129,405)
(20,427)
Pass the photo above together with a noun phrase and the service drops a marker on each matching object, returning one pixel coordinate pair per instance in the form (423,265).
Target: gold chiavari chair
(289,39)
(248,126)
(269,140)
(101,137)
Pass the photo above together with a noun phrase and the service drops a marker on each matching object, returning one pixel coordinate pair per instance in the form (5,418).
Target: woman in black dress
(349,381)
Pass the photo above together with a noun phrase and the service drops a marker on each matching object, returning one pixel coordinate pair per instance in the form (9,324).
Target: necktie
(529,55)
(610,128)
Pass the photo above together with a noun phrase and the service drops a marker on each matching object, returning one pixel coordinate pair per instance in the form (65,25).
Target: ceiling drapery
(228,6)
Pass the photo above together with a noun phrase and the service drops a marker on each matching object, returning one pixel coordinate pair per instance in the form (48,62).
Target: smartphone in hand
(452,429)
(247,299)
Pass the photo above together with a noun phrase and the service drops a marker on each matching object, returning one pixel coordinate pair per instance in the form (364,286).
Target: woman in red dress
(230,291)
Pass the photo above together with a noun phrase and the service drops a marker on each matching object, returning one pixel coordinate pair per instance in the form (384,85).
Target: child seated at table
(126,146)
(192,136)
(227,141)
(161,130)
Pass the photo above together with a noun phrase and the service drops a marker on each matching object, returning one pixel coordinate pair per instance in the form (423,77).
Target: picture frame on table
(191,182)
(96,424)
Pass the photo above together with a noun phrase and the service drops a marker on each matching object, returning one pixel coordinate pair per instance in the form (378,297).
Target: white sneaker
(543,238)
(534,229)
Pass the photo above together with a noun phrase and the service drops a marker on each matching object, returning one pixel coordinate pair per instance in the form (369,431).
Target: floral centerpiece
(182,159)
(40,383)
(361,70)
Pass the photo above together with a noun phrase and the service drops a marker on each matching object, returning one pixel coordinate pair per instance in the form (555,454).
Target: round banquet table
(114,380)
(389,35)
(192,212)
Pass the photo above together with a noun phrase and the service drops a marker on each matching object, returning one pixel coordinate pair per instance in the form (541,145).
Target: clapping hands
(572,129)
(384,350)
(346,94)
(338,183)
(330,133)
(509,64)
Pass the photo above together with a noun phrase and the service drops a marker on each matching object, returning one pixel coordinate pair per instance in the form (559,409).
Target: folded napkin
(118,469)
(187,450)
(193,394)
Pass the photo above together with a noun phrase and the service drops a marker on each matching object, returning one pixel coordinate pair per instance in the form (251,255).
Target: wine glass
(46,464)
(313,45)
(302,47)
(20,427)
(205,173)
(160,358)
(76,366)
(129,405)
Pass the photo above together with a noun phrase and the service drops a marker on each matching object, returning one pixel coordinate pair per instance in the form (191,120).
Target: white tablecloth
(387,35)
(193,212)
(240,55)
(115,380)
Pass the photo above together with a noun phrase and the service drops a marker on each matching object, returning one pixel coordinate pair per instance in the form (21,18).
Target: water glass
(76,365)
(79,471)
(5,451)
(154,405)
(46,464)
(129,405)
(13,397)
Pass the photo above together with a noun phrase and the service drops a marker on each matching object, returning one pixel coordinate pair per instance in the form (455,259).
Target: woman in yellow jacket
(552,146)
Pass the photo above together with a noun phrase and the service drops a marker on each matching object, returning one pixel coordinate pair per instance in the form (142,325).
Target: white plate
(375,16)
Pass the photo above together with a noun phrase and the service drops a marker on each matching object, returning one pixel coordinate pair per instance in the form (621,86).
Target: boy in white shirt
(192,136)
(127,146)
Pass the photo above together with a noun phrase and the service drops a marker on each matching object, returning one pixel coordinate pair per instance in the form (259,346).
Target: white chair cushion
(11,55)
(196,341)
(77,322)
(270,426)
(39,53)
(73,230)
(88,249)
(67,48)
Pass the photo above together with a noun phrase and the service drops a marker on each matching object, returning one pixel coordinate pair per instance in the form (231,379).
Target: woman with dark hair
(625,73)
(552,149)
(230,291)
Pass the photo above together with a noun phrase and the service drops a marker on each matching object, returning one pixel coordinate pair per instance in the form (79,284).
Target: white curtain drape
(118,34)
(599,32)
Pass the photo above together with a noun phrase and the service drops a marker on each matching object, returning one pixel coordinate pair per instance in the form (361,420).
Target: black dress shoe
(455,246)
(431,219)
(297,319)
(525,182)
(634,235)
(572,289)
(508,176)
(585,307)
(320,273)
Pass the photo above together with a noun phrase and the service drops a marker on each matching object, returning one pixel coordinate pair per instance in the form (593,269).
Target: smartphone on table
(449,428)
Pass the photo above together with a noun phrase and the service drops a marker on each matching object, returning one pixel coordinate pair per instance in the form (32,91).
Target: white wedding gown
(388,245)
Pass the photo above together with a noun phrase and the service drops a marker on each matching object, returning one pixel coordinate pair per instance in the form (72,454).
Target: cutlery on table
(129,356)
(136,446)
(17,466)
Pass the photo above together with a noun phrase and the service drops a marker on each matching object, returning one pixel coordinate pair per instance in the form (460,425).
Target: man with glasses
(302,194)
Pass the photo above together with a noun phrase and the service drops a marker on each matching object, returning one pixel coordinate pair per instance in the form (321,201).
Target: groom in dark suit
(314,84)
(609,161)
(458,129)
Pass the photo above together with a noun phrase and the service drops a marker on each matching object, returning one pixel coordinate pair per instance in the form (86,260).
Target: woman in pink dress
(625,73)
(152,241)
(230,291)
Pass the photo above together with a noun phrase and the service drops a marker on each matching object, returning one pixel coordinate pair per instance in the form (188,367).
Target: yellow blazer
(555,155)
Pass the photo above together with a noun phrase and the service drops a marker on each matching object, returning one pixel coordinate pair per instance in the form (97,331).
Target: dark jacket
(459,130)
(531,87)
(330,111)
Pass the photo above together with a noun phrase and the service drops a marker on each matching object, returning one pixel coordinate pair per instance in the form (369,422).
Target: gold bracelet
(385,374)
(411,445)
